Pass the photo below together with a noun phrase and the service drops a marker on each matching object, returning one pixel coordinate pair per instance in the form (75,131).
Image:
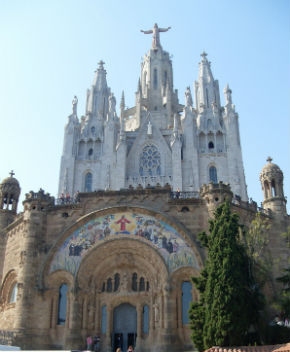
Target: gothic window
(206,94)
(145,319)
(88,182)
(109,285)
(93,129)
(147,286)
(104,287)
(186,299)
(142,284)
(104,320)
(213,174)
(116,282)
(210,145)
(13,293)
(165,77)
(90,152)
(150,161)
(62,299)
(134,282)
(155,79)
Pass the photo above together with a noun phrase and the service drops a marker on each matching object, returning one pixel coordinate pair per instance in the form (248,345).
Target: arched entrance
(124,326)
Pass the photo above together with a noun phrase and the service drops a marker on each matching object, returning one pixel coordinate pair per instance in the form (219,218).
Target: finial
(101,64)
(75,105)
(203,55)
(11,173)
(269,159)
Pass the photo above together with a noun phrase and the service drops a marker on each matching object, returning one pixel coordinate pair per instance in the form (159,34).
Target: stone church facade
(114,254)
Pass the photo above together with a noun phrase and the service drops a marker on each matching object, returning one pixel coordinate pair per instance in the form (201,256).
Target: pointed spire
(100,81)
(139,88)
(228,95)
(188,97)
(204,68)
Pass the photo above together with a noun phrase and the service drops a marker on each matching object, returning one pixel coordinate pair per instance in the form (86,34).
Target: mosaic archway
(156,232)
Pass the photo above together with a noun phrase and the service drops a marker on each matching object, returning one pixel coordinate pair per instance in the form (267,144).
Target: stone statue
(156,312)
(75,105)
(112,103)
(188,97)
(156,37)
(228,95)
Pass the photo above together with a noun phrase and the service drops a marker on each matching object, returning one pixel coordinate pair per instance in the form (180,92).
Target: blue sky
(50,49)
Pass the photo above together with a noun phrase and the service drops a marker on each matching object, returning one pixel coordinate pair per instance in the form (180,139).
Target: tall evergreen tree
(227,306)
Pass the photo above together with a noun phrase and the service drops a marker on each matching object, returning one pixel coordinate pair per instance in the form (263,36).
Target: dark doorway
(124,326)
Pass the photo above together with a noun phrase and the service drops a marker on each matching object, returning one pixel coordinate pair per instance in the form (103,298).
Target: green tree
(228,304)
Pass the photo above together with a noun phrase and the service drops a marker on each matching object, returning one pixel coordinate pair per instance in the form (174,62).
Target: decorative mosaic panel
(162,236)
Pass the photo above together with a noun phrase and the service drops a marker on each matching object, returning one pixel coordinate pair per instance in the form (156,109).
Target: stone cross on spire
(11,173)
(269,159)
(156,37)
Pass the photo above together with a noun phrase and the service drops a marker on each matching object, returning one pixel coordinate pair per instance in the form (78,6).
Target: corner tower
(271,178)
(9,196)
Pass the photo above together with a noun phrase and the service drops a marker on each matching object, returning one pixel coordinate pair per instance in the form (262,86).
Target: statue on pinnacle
(156,37)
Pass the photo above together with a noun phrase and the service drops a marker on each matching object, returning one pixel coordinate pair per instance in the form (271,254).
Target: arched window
(134,282)
(150,161)
(186,299)
(13,293)
(165,77)
(109,285)
(273,188)
(210,145)
(155,79)
(212,174)
(146,319)
(90,152)
(62,300)
(104,320)
(88,182)
(116,282)
(206,95)
(142,284)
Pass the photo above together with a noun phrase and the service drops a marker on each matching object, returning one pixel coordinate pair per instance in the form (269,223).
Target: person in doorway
(130,349)
(89,343)
(96,343)
(118,349)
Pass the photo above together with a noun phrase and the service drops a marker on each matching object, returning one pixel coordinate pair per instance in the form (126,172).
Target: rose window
(150,161)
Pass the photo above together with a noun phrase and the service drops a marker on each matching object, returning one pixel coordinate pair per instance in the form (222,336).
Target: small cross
(101,64)
(204,55)
(269,159)
(11,173)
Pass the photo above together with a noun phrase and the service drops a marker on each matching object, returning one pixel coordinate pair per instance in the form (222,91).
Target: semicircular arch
(169,237)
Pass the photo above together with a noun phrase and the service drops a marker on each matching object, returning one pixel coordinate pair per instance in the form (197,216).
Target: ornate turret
(97,102)
(271,178)
(9,196)
(215,194)
(207,89)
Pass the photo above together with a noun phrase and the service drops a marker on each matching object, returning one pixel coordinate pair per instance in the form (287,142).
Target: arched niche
(157,231)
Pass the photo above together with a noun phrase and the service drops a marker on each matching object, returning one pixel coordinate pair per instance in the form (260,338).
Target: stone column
(139,325)
(73,339)
(107,342)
